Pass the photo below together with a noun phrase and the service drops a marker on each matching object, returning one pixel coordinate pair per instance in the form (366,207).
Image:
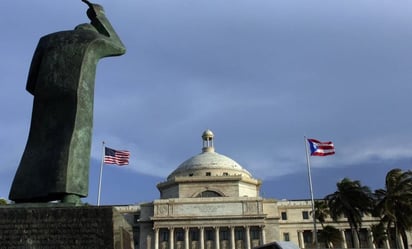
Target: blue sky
(260,74)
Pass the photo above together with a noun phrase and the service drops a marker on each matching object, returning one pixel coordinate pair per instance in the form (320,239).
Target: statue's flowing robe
(61,78)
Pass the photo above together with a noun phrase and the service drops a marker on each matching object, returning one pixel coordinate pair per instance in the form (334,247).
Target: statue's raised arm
(100,22)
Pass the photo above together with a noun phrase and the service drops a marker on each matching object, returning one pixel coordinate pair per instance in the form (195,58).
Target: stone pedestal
(62,227)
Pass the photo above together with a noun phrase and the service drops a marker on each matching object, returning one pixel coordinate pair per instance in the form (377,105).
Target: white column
(387,245)
(263,235)
(149,241)
(202,238)
(217,239)
(187,238)
(344,244)
(247,237)
(171,238)
(370,239)
(232,238)
(400,241)
(301,240)
(156,239)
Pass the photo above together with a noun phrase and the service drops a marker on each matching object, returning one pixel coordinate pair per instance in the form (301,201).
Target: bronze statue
(55,162)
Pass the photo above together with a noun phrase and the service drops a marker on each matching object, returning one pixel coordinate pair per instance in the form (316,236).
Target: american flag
(318,148)
(119,157)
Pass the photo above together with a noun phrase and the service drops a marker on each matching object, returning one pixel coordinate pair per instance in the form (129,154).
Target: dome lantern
(207,137)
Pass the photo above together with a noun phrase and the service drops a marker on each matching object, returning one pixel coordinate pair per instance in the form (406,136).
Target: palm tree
(321,211)
(394,203)
(379,234)
(351,200)
(330,236)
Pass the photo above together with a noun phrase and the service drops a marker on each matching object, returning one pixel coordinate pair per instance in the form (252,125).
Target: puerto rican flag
(318,148)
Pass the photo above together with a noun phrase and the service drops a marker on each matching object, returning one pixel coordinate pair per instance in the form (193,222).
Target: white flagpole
(100,177)
(315,232)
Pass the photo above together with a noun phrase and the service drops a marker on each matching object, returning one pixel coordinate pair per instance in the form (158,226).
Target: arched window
(209,193)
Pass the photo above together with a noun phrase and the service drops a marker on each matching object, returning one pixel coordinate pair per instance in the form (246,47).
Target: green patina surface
(55,162)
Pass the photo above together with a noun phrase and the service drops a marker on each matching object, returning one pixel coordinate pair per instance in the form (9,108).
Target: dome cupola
(209,162)
(207,137)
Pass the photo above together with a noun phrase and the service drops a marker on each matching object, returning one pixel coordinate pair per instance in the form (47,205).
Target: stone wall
(61,227)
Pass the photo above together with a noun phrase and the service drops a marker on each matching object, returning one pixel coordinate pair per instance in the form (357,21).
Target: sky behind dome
(260,74)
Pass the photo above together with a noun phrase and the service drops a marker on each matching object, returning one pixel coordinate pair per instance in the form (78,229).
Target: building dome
(209,163)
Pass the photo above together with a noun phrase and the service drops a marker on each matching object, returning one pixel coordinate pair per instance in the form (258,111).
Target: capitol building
(211,202)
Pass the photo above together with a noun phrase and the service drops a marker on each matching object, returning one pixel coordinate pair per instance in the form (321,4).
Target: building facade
(212,202)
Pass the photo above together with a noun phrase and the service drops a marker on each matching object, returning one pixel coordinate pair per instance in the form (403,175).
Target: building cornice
(196,179)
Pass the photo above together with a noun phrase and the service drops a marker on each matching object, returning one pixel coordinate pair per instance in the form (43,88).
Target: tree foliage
(331,236)
(321,211)
(379,234)
(350,200)
(394,203)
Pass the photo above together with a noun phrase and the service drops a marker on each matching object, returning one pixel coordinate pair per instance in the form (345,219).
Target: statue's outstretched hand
(88,3)
(94,9)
